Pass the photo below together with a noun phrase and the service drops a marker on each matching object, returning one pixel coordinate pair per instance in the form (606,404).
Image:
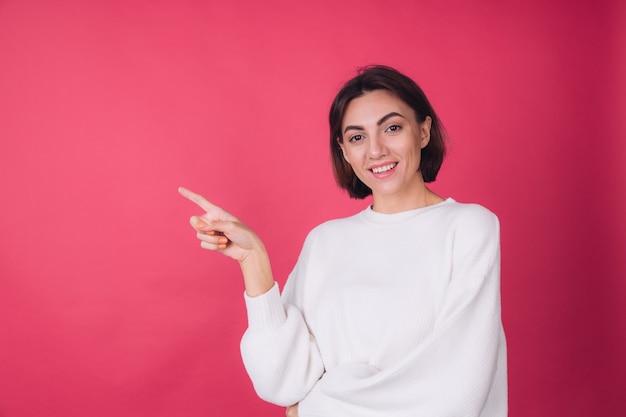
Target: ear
(425,131)
(343,150)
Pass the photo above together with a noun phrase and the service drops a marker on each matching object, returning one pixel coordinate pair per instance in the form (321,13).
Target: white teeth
(385,168)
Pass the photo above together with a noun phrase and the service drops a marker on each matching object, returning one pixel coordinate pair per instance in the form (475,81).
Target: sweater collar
(383,218)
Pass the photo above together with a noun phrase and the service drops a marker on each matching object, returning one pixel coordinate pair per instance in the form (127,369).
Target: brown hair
(379,77)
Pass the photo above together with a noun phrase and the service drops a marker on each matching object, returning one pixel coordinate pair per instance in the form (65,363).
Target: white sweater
(386,315)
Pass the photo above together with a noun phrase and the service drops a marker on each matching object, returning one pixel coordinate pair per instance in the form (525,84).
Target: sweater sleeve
(454,371)
(279,353)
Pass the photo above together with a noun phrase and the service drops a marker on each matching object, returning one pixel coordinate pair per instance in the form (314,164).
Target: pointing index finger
(202,202)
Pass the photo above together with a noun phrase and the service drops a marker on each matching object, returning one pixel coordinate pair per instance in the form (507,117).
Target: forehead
(371,106)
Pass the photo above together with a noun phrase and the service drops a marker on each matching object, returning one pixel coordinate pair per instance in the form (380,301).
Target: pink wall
(107,304)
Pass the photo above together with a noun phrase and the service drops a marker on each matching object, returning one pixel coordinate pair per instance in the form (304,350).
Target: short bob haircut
(379,77)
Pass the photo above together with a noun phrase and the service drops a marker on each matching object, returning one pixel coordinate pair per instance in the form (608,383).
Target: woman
(394,311)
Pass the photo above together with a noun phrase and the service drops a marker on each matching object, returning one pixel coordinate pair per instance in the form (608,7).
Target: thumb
(202,224)
(232,229)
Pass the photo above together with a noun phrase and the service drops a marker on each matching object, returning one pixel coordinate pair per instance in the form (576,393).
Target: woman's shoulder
(334,230)
(471,211)
(473,221)
(340,224)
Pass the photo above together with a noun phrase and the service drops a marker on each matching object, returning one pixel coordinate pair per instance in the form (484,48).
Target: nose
(376,147)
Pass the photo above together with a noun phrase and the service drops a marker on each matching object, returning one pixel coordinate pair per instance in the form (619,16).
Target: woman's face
(382,142)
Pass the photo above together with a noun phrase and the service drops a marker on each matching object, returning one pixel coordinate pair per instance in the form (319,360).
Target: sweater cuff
(265,310)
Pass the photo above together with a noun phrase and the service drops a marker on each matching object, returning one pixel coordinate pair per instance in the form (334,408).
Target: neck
(396,204)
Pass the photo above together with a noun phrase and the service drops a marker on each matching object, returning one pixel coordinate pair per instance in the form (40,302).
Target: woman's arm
(279,353)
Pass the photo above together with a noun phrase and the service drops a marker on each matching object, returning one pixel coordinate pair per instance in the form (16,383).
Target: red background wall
(107,304)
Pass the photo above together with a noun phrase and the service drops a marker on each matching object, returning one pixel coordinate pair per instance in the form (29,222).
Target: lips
(383,168)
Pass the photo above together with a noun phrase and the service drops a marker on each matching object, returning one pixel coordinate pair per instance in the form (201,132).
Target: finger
(206,227)
(212,241)
(292,411)
(202,202)
(218,227)
(202,225)
(212,246)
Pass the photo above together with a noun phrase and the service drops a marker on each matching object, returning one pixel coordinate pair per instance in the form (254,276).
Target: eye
(355,138)
(394,128)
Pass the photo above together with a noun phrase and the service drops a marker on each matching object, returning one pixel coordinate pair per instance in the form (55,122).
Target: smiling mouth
(384,168)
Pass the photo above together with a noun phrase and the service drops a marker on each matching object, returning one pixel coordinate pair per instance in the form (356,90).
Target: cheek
(411,150)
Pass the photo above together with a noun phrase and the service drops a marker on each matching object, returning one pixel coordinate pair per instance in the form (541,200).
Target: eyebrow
(378,123)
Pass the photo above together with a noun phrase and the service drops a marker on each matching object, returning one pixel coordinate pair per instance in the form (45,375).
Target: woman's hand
(292,411)
(221,231)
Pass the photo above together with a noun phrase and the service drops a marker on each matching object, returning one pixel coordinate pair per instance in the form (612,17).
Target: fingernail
(223,240)
(200,224)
